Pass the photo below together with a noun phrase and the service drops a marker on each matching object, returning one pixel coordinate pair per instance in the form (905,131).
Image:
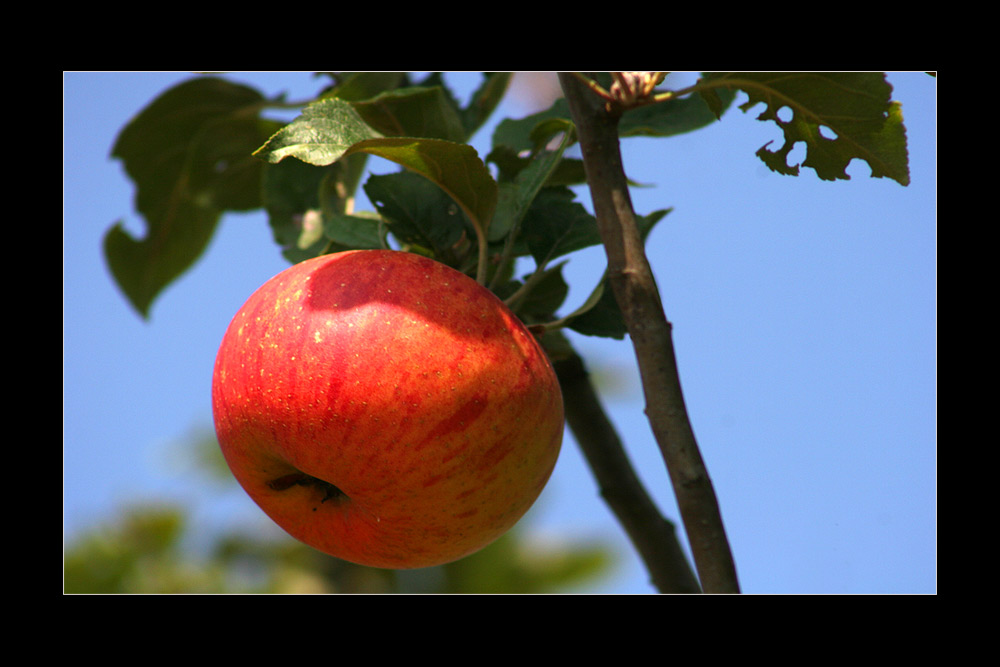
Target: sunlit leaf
(320,135)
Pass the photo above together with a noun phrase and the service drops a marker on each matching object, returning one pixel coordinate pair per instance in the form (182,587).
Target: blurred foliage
(148,549)
(144,551)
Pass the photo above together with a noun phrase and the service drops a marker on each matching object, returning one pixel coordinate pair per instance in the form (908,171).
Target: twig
(654,537)
(638,298)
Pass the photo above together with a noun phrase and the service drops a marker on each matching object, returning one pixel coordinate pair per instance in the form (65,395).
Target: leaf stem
(524,290)
(484,256)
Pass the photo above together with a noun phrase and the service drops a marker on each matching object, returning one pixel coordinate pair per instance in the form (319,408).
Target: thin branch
(639,300)
(654,537)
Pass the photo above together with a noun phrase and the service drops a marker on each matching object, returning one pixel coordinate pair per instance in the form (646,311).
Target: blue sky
(805,324)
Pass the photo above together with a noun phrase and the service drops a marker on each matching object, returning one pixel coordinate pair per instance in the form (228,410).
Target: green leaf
(143,268)
(413,112)
(854,107)
(355,86)
(455,168)
(675,116)
(188,153)
(663,119)
(515,198)
(332,129)
(417,211)
(518,133)
(362,230)
(546,296)
(600,315)
(551,127)
(485,100)
(556,225)
(481,105)
(321,135)
(291,198)
(509,164)
(306,207)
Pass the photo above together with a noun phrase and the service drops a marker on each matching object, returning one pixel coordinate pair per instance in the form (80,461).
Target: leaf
(556,225)
(675,116)
(485,100)
(482,103)
(321,135)
(854,106)
(600,315)
(188,153)
(417,211)
(516,197)
(663,119)
(413,112)
(362,230)
(509,164)
(355,86)
(517,133)
(143,268)
(291,198)
(546,296)
(331,129)
(305,204)
(455,168)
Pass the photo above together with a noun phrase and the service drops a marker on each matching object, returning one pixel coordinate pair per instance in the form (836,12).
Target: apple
(385,408)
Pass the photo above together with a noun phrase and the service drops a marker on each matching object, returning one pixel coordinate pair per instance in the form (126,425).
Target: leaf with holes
(839,115)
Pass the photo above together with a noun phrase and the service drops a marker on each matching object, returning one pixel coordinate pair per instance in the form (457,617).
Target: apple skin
(385,408)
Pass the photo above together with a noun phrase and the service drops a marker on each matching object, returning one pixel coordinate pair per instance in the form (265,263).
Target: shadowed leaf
(839,115)
(189,155)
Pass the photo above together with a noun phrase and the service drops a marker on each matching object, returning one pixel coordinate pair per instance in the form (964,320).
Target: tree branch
(654,537)
(638,298)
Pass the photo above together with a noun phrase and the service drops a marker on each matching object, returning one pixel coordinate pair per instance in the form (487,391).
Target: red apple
(385,408)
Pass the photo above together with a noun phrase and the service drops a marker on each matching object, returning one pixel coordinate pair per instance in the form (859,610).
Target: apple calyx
(286,482)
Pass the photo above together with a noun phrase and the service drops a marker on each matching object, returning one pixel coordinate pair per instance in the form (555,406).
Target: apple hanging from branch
(385,408)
